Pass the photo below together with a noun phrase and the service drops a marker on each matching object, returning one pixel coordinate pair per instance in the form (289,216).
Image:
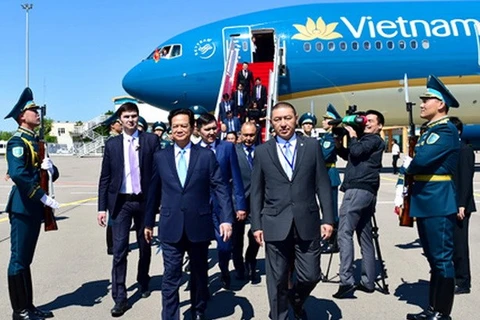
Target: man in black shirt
(360,184)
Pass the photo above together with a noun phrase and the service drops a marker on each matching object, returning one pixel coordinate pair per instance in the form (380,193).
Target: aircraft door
(477,33)
(242,37)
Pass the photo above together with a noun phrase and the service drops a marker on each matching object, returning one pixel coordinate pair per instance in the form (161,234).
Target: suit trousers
(238,244)
(224,248)
(24,232)
(436,236)
(121,224)
(172,263)
(356,213)
(280,255)
(461,253)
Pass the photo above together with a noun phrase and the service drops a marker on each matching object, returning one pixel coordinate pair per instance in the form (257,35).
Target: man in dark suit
(288,174)
(227,159)
(124,182)
(25,205)
(259,94)
(184,177)
(227,105)
(463,178)
(241,99)
(232,123)
(245,154)
(245,77)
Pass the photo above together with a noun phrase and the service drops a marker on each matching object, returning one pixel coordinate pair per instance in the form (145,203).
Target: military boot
(30,306)
(18,298)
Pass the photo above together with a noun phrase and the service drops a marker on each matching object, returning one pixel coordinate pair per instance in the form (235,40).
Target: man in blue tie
(232,123)
(124,182)
(184,177)
(228,161)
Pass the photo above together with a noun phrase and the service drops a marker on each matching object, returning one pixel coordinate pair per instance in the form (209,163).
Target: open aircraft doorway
(263,45)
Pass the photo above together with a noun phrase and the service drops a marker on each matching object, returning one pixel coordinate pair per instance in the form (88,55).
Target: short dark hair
(258,78)
(204,119)
(127,107)
(232,132)
(395,141)
(380,117)
(284,104)
(457,123)
(226,96)
(245,62)
(176,112)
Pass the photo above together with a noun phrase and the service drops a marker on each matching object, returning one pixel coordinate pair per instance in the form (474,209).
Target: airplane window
(366,45)
(355,45)
(413,44)
(307,47)
(245,45)
(343,46)
(390,44)
(319,46)
(425,44)
(176,51)
(401,44)
(331,46)
(378,45)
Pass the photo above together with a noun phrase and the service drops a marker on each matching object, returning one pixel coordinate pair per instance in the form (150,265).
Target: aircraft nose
(133,81)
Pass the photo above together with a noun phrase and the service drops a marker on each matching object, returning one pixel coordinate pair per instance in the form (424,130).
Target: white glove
(398,196)
(47,165)
(50,202)
(406,162)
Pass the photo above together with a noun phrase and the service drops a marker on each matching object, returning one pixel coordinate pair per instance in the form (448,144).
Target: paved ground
(71,270)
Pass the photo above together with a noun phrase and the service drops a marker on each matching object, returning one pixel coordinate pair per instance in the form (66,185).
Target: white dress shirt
(395,149)
(212,146)
(127,180)
(281,152)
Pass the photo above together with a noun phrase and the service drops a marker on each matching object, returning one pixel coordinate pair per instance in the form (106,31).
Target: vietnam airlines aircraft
(333,52)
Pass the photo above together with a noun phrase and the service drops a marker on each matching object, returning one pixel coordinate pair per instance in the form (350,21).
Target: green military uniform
(305,118)
(164,141)
(25,211)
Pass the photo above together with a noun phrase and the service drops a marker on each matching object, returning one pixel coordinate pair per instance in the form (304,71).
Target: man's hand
(47,165)
(49,202)
(398,202)
(326,231)
(241,215)
(102,219)
(406,162)
(225,231)
(259,237)
(461,213)
(351,132)
(148,234)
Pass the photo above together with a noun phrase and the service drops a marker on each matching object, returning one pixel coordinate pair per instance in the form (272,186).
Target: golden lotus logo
(319,30)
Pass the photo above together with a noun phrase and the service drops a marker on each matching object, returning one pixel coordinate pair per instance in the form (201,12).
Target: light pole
(27,7)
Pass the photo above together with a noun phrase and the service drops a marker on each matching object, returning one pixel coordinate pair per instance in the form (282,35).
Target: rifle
(46,181)
(405,219)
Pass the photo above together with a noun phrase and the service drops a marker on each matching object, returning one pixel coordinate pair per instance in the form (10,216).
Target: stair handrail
(229,71)
(272,88)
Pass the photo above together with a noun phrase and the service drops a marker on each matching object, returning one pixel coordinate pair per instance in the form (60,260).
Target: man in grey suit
(288,174)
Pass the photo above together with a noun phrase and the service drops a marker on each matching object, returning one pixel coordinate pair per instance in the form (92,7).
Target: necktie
(182,167)
(231,125)
(289,157)
(245,74)
(227,107)
(134,167)
(258,92)
(240,98)
(250,156)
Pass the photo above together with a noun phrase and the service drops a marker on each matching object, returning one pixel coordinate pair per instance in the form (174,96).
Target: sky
(80,50)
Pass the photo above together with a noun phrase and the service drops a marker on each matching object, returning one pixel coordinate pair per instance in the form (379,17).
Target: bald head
(249,133)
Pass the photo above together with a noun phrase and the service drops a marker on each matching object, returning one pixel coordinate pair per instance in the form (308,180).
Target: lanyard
(290,164)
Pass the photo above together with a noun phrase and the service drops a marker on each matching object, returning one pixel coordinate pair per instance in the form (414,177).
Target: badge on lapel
(17,152)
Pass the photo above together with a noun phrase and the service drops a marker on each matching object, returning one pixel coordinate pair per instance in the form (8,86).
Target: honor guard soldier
(142,124)
(159,128)
(25,205)
(433,201)
(114,124)
(308,121)
(327,142)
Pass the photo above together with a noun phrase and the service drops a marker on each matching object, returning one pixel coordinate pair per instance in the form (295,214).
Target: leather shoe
(362,287)
(425,314)
(145,293)
(199,316)
(301,315)
(119,309)
(344,291)
(24,315)
(40,313)
(225,281)
(462,290)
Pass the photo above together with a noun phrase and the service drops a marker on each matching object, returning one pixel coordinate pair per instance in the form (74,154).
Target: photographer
(360,184)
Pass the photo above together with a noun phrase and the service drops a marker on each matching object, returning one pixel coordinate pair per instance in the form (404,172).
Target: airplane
(342,53)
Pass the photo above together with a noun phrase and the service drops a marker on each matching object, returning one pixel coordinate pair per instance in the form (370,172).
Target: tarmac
(71,270)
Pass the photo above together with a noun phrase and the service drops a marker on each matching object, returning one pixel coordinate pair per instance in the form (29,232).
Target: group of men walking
(208,190)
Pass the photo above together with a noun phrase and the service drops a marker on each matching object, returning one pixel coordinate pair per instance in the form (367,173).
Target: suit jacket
(187,209)
(246,101)
(246,81)
(463,178)
(246,172)
(228,161)
(113,168)
(276,202)
(236,124)
(223,112)
(263,96)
